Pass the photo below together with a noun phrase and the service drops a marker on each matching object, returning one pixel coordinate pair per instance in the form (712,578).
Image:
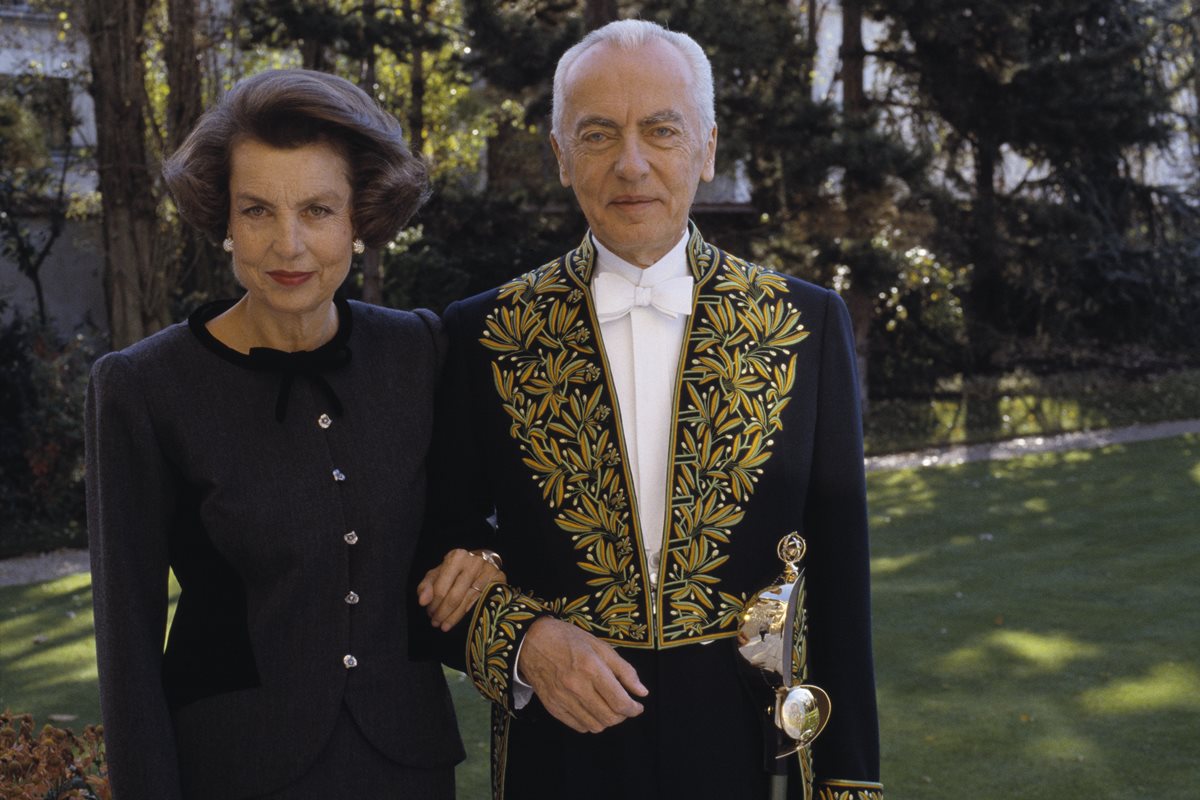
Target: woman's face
(290,221)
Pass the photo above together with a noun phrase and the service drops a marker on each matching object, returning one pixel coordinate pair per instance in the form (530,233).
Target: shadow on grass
(47,652)
(1036,626)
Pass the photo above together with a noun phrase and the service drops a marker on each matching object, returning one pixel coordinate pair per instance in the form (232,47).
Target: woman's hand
(449,590)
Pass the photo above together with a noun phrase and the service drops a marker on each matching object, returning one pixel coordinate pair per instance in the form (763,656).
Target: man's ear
(710,156)
(564,176)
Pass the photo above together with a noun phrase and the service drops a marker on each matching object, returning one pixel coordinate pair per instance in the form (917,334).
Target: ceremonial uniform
(531,460)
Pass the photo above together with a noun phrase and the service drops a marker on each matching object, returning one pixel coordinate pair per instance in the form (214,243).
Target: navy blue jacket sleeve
(846,755)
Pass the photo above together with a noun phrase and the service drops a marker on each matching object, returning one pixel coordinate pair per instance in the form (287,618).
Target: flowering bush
(54,765)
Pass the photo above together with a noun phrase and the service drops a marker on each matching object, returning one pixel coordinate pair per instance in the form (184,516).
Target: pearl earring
(227,245)
(359,247)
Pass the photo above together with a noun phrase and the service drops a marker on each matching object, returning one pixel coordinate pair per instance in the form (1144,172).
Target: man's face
(631,147)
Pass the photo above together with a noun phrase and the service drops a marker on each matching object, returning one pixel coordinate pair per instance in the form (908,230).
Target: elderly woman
(271,452)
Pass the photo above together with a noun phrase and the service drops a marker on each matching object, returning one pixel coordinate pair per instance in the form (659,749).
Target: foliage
(469,243)
(53,765)
(984,409)
(1075,89)
(42,385)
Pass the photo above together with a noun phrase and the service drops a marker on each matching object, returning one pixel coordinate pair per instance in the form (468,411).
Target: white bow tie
(616,296)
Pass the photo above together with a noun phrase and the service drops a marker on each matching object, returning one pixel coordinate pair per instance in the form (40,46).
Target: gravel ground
(42,567)
(34,569)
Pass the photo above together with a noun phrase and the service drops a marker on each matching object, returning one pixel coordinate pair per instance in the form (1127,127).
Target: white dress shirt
(642,348)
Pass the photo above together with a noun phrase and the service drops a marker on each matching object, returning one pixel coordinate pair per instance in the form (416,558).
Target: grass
(1036,630)
(1036,625)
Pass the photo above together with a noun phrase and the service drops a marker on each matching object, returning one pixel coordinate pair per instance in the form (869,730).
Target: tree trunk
(416,110)
(183,71)
(135,286)
(854,111)
(372,287)
(981,305)
(203,271)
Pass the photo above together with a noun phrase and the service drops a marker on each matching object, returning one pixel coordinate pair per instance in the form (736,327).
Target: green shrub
(43,380)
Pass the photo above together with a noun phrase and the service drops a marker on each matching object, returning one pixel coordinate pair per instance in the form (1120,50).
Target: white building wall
(71,277)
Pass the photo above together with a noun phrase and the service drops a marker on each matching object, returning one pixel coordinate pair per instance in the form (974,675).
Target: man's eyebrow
(595,122)
(659,117)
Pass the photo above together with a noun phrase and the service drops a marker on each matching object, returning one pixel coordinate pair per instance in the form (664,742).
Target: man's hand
(580,680)
(449,590)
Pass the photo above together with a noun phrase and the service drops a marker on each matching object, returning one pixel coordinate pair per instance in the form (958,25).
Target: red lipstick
(290,278)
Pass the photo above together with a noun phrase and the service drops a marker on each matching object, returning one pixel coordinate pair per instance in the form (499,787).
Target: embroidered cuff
(498,622)
(848,790)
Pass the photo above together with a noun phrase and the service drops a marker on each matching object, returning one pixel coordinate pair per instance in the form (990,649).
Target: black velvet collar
(312,364)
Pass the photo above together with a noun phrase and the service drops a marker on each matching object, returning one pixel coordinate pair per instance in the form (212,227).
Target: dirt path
(34,569)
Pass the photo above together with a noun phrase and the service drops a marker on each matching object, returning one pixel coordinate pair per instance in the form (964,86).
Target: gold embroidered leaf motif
(734,389)
(514,331)
(751,280)
(588,516)
(731,608)
(525,287)
(562,330)
(721,329)
(828,793)
(547,461)
(490,643)
(547,379)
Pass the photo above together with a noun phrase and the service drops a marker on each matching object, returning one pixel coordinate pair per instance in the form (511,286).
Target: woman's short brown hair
(292,108)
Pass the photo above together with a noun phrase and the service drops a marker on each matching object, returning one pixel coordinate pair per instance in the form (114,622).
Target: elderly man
(634,426)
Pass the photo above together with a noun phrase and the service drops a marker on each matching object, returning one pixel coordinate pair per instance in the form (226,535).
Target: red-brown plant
(56,764)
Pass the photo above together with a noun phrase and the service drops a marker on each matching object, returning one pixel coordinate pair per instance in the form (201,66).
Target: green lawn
(1036,625)
(1037,630)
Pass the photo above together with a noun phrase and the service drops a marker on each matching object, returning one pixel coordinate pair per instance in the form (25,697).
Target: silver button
(351,598)
(349,662)
(351,538)
(339,476)
(324,421)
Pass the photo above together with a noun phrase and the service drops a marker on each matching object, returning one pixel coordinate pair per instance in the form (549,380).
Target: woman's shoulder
(378,328)
(169,345)
(370,314)
(381,319)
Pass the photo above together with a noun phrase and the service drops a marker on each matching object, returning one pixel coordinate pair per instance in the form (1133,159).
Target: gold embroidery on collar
(735,386)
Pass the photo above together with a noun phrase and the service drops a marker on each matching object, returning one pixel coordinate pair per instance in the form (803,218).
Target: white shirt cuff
(522,692)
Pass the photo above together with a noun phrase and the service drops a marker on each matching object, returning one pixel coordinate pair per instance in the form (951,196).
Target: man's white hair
(629,34)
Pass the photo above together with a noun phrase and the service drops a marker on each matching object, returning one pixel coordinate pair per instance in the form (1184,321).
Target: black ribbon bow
(310,364)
